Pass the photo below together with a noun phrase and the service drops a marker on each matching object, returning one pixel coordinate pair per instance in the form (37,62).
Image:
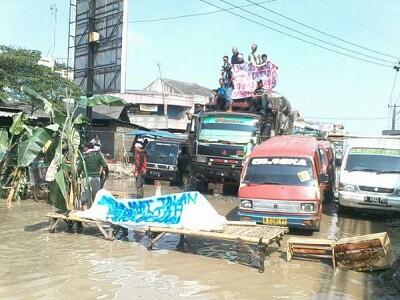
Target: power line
(298,38)
(322,32)
(308,35)
(194,14)
(346,118)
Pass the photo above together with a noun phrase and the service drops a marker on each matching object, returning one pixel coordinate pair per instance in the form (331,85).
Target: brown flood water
(36,264)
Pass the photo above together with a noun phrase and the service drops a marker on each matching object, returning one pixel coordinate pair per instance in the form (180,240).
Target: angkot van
(281,183)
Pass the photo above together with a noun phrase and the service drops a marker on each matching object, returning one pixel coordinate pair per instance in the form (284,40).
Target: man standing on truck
(254,57)
(139,169)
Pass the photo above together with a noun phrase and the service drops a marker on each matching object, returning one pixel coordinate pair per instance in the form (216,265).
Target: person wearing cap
(94,162)
(139,169)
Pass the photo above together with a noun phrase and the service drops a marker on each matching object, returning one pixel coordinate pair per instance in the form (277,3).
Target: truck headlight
(171,168)
(307,207)
(347,187)
(200,159)
(246,203)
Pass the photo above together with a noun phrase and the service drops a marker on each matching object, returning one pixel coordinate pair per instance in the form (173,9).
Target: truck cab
(220,143)
(167,159)
(281,183)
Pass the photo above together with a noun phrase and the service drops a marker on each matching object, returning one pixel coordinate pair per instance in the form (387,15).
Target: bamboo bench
(107,229)
(245,233)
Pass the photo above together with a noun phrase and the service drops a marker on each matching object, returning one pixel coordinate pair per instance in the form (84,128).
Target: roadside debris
(361,253)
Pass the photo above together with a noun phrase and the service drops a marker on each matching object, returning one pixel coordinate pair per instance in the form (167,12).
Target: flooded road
(35,264)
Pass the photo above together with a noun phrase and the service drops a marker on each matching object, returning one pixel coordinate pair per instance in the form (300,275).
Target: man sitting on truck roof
(260,98)
(222,96)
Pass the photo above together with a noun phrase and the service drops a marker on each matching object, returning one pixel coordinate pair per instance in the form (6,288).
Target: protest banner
(189,210)
(245,77)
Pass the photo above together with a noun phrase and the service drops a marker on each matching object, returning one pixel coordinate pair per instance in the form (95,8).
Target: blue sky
(320,84)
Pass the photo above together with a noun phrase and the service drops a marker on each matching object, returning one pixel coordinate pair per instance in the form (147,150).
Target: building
(163,104)
(110,124)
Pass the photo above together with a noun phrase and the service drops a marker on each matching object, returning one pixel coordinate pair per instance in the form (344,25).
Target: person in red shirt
(139,169)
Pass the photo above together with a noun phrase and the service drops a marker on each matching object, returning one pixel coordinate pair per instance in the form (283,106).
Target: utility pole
(394,117)
(53,9)
(90,63)
(163,93)
(394,106)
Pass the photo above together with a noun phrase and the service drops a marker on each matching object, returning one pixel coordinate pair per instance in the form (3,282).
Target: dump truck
(220,141)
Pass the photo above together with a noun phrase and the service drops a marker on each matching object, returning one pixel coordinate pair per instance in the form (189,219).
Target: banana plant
(64,131)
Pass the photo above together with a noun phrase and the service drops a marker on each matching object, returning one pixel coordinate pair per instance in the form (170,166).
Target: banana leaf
(3,143)
(102,100)
(18,124)
(29,149)
(60,181)
(38,100)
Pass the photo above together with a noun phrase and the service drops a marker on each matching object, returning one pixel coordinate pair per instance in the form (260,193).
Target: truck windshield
(162,153)
(373,160)
(231,129)
(279,170)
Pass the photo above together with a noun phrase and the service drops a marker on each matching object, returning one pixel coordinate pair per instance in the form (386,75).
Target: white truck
(370,174)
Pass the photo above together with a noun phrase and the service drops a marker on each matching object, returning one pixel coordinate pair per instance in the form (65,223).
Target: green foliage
(20,67)
(59,142)
(3,143)
(30,149)
(102,100)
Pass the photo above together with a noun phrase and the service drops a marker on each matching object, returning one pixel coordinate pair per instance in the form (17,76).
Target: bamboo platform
(244,233)
(107,229)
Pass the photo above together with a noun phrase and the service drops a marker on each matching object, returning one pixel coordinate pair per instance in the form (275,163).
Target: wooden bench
(245,233)
(365,252)
(107,229)
(311,248)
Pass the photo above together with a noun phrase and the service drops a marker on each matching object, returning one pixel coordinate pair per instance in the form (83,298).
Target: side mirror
(324,178)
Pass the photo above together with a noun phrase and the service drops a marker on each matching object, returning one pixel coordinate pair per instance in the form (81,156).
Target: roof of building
(103,112)
(287,145)
(184,88)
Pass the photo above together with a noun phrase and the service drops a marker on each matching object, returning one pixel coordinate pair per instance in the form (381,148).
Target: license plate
(376,200)
(155,173)
(275,221)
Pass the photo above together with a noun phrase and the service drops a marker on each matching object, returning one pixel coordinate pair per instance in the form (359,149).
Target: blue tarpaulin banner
(190,210)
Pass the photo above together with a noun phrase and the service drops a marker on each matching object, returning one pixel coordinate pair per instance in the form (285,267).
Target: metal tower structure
(97,44)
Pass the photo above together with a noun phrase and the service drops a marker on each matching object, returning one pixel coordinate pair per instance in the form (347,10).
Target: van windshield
(280,171)
(231,129)
(374,160)
(162,153)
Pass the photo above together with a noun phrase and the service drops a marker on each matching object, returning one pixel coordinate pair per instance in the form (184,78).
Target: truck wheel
(230,189)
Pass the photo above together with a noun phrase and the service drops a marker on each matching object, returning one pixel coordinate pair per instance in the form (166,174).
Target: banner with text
(245,77)
(190,210)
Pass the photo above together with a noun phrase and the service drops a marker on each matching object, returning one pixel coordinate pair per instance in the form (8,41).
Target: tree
(20,67)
